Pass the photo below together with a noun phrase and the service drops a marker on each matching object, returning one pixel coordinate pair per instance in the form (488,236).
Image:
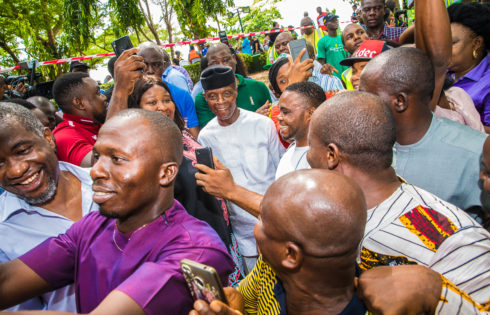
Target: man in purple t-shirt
(124,259)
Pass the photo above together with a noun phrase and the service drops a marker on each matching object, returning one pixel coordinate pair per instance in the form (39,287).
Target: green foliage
(193,14)
(258,19)
(254,63)
(194,71)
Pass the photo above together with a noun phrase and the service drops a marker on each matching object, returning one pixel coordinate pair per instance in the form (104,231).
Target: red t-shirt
(75,137)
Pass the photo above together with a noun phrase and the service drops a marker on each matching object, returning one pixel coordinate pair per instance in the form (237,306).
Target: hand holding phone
(121,44)
(205,156)
(203,281)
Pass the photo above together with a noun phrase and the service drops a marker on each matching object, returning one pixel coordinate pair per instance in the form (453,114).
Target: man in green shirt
(251,94)
(330,48)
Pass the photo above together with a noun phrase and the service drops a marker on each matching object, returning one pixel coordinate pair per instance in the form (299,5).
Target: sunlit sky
(291,11)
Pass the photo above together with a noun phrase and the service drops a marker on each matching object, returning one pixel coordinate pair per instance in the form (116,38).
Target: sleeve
(336,83)
(204,114)
(276,148)
(463,258)
(486,109)
(191,115)
(159,287)
(54,259)
(455,301)
(321,49)
(72,148)
(179,81)
(249,288)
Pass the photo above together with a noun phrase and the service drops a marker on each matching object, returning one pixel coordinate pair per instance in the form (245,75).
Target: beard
(46,196)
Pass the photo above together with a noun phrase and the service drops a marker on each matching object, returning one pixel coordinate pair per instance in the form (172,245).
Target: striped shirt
(414,226)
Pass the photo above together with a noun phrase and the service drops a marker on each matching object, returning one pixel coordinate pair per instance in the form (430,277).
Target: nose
(99,169)
(16,168)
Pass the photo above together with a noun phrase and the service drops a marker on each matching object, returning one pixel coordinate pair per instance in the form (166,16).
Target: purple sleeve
(159,287)
(54,259)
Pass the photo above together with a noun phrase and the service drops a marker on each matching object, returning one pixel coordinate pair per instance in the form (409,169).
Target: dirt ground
(261,76)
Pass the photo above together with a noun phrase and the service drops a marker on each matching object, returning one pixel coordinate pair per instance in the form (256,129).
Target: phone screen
(296,46)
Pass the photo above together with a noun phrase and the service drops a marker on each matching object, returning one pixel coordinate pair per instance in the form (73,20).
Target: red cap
(366,51)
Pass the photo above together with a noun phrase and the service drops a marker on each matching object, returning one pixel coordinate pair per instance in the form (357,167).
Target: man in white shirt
(246,142)
(297,104)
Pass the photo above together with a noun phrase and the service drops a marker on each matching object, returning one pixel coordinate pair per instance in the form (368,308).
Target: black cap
(329,17)
(77,63)
(216,77)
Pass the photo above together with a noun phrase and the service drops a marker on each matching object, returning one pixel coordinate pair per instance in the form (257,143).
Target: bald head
(150,46)
(282,41)
(323,211)
(159,130)
(307,21)
(360,124)
(401,70)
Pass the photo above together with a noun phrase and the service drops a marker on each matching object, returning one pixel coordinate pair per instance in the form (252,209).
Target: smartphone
(203,281)
(296,46)
(205,156)
(223,38)
(121,44)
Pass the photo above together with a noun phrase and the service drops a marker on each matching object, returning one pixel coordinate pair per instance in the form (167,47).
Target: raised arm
(433,36)
(126,72)
(219,183)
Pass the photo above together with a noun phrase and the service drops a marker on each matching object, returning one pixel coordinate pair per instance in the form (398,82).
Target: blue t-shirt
(185,104)
(246,49)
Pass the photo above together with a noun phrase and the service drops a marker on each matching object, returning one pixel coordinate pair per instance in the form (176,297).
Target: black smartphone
(296,46)
(203,281)
(222,37)
(205,156)
(121,44)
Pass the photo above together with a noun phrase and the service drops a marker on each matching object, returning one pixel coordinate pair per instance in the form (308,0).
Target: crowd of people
(355,181)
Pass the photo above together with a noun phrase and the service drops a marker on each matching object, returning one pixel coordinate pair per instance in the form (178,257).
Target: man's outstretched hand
(234,307)
(409,289)
(217,182)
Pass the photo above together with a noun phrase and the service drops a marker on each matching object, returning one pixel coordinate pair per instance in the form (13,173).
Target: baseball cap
(366,51)
(330,17)
(77,63)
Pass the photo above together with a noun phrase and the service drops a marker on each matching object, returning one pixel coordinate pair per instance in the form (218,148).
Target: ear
(78,104)
(477,43)
(400,102)
(168,173)
(293,257)
(333,156)
(309,112)
(48,136)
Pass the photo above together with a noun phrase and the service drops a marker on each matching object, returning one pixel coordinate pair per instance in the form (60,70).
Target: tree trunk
(217,22)
(148,20)
(9,51)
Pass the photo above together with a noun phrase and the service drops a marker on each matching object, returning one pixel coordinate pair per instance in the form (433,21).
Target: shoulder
(427,210)
(459,136)
(254,83)
(250,117)
(191,232)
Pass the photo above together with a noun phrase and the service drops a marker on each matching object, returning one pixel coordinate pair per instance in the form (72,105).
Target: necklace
(114,235)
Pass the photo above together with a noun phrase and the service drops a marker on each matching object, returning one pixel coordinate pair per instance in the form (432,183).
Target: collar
(479,71)
(13,205)
(241,80)
(167,71)
(78,119)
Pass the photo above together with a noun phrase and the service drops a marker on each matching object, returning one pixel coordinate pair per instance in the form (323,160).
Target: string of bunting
(189,42)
